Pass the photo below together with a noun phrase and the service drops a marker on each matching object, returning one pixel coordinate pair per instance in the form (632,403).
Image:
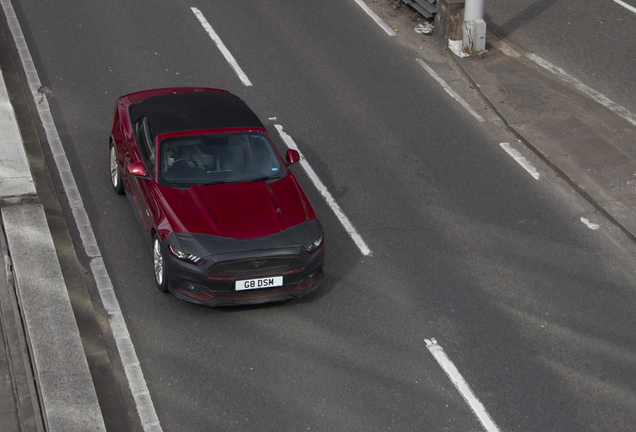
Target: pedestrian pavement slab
(15,174)
(9,420)
(20,410)
(67,394)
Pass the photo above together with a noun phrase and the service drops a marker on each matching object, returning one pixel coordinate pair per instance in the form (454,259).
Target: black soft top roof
(191,111)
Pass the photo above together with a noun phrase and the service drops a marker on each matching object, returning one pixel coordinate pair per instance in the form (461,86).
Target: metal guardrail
(424,8)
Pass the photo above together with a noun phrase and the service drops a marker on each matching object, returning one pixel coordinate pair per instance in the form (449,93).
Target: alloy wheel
(158,260)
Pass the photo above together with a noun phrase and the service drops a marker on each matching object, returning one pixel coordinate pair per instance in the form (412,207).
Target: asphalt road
(533,307)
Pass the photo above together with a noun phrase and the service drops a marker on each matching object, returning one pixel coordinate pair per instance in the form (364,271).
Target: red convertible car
(227,222)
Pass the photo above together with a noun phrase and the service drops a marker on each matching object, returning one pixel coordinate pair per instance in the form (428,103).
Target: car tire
(159,265)
(115,173)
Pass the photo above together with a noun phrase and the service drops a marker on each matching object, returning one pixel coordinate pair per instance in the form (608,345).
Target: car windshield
(217,158)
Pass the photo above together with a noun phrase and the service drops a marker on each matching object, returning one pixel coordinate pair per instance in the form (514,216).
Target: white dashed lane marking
(626,6)
(348,226)
(219,43)
(450,91)
(461,385)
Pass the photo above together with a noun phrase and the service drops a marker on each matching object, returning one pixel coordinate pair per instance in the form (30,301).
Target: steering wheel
(188,160)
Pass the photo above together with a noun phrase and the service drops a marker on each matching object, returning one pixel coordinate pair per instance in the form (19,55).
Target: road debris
(426,29)
(456,47)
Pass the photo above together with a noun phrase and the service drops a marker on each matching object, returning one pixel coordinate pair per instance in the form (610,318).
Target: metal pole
(474,27)
(473,10)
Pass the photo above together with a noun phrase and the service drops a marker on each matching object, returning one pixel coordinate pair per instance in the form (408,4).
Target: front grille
(255,294)
(255,267)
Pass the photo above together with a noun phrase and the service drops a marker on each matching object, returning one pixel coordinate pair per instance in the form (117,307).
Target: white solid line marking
(449,90)
(125,348)
(219,43)
(598,97)
(461,385)
(626,6)
(589,224)
(521,160)
(376,18)
(325,193)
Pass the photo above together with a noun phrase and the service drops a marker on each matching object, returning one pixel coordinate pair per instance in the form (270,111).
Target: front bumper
(213,281)
(209,297)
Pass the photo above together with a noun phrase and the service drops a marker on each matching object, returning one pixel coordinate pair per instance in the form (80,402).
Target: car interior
(218,158)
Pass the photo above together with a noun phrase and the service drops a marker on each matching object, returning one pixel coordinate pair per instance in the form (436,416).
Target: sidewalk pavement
(584,141)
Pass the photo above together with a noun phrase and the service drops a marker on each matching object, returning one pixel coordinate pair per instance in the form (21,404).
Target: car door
(141,187)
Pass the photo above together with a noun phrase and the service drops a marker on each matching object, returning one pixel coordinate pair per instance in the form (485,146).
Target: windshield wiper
(269,177)
(216,183)
(247,180)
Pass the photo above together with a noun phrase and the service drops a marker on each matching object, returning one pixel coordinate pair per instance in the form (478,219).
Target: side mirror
(292,157)
(138,170)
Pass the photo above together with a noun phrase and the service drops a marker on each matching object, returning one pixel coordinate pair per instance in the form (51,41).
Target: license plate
(266,282)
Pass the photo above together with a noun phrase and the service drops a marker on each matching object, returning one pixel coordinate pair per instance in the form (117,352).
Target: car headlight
(315,245)
(189,258)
